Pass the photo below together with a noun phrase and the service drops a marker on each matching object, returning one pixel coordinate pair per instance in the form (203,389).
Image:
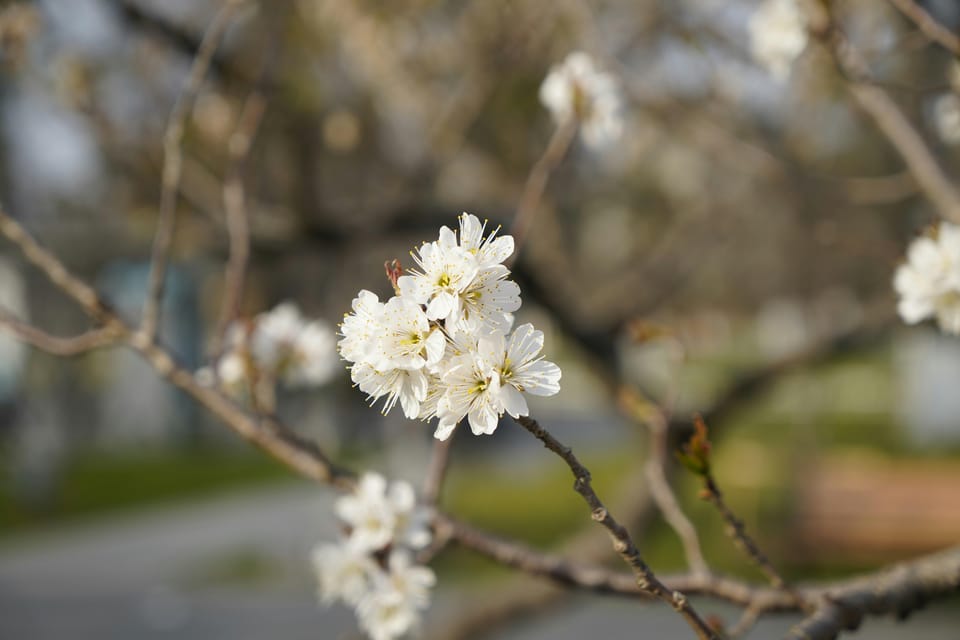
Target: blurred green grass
(95,483)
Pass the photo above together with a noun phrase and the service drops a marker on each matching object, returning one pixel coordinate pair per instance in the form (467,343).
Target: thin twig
(638,408)
(82,293)
(238,224)
(437,471)
(748,618)
(56,345)
(738,533)
(930,27)
(622,543)
(536,183)
(665,498)
(173,168)
(889,118)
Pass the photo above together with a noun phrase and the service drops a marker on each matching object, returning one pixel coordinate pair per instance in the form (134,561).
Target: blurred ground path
(233,566)
(168,542)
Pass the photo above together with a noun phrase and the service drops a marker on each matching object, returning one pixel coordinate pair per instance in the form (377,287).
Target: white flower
(440,347)
(409,386)
(393,607)
(520,367)
(929,282)
(445,271)
(379,515)
(490,378)
(407,341)
(344,572)
(360,328)
(314,361)
(577,89)
(275,334)
(946,117)
(232,369)
(778,35)
(472,391)
(488,302)
(488,251)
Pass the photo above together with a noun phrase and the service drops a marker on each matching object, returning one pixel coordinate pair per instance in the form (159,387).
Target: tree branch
(238,224)
(437,471)
(889,118)
(56,345)
(930,27)
(738,532)
(536,182)
(620,538)
(173,168)
(265,432)
(642,410)
(899,590)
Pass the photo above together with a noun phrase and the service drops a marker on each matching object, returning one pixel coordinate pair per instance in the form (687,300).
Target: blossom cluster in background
(778,35)
(929,282)
(443,347)
(372,567)
(577,89)
(279,345)
(946,117)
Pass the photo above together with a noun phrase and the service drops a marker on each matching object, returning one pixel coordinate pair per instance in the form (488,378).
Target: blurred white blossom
(778,35)
(929,282)
(392,608)
(576,88)
(946,117)
(378,515)
(442,347)
(372,567)
(277,345)
(344,572)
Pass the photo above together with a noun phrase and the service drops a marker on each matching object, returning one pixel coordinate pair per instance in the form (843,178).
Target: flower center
(411,340)
(443,281)
(480,386)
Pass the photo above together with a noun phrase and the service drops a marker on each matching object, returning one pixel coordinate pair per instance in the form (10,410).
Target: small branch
(78,290)
(537,182)
(620,538)
(655,471)
(238,224)
(437,471)
(928,25)
(57,345)
(748,618)
(738,533)
(889,118)
(173,168)
(598,579)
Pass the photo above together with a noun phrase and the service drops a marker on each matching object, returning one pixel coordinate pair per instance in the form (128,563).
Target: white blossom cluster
(277,345)
(372,567)
(778,35)
(929,282)
(443,346)
(576,88)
